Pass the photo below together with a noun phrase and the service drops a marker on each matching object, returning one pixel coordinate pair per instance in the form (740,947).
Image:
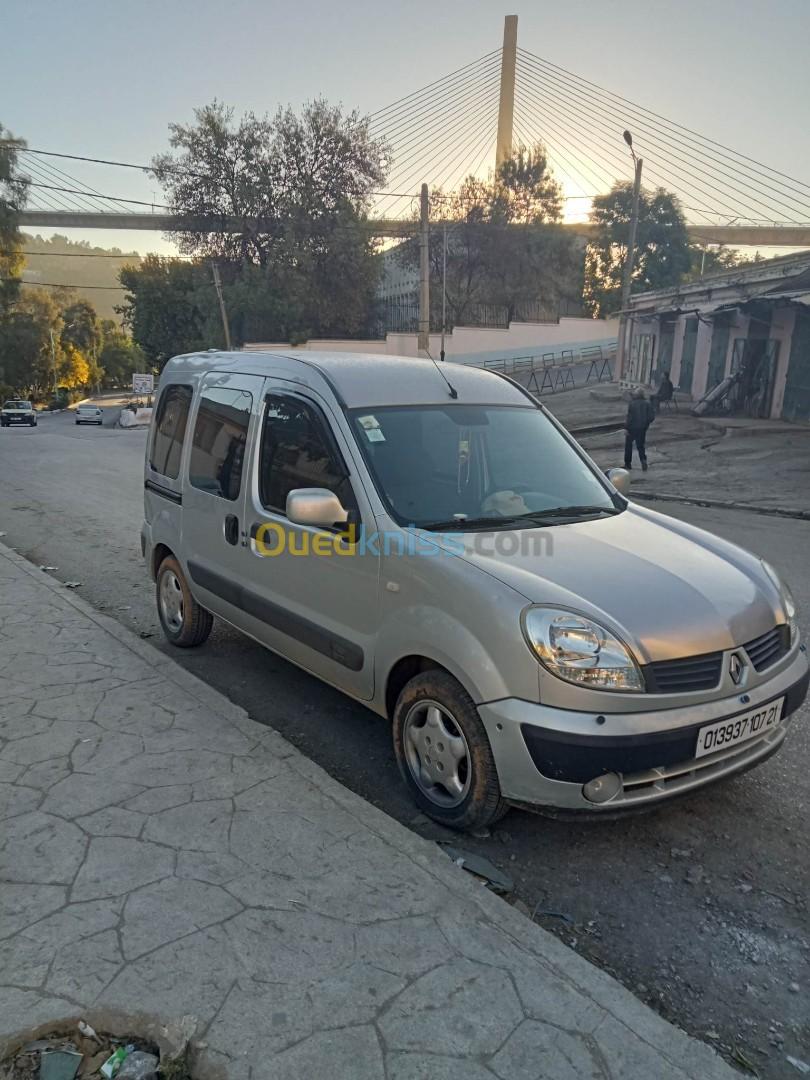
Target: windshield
(471,465)
(17,405)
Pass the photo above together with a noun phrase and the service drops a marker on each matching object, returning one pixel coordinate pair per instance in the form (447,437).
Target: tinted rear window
(218,446)
(170,430)
(17,405)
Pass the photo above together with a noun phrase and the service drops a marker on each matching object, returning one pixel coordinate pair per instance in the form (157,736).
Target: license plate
(725,733)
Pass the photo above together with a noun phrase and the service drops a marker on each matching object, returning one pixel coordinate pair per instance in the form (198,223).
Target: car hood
(670,590)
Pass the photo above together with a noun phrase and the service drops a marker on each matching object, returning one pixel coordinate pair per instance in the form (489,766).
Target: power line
(83,255)
(60,176)
(56,285)
(112,198)
(149,169)
(40,174)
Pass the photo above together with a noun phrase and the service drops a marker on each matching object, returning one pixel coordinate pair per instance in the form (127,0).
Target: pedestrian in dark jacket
(665,392)
(639,417)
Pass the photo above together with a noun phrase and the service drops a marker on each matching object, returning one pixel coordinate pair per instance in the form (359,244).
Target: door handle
(232,528)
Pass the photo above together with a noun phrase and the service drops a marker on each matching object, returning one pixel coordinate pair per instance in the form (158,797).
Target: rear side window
(218,446)
(170,430)
(298,452)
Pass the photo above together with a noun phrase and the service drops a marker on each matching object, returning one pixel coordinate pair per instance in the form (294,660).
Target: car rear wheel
(444,754)
(184,622)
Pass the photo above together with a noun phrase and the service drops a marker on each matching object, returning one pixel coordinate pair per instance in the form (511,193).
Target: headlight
(788,602)
(581,651)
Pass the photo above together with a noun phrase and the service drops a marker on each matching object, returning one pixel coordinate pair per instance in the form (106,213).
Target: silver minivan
(428,539)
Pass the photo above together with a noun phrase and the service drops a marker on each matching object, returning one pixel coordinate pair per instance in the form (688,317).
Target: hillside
(60,261)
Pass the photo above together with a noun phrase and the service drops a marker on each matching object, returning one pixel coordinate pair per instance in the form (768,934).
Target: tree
(120,357)
(81,327)
(711,260)
(662,252)
(287,199)
(503,246)
(30,345)
(168,307)
(12,199)
(254,180)
(525,192)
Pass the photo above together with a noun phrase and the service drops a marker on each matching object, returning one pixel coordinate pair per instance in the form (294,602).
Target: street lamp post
(444,286)
(627,279)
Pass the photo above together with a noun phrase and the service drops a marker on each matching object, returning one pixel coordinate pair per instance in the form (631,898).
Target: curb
(678,1053)
(723,504)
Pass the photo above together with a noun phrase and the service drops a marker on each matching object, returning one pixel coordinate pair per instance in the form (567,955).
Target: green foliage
(711,260)
(503,246)
(168,307)
(81,327)
(29,355)
(662,255)
(299,262)
(277,179)
(120,358)
(12,200)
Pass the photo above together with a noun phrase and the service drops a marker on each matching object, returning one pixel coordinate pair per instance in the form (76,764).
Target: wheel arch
(159,553)
(403,671)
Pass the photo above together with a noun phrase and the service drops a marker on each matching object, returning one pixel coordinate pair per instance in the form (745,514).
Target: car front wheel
(185,623)
(444,754)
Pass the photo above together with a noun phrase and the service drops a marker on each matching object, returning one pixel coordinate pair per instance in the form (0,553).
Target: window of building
(298,452)
(170,430)
(220,437)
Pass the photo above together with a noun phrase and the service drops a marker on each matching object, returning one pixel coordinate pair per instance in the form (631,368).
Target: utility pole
(444,285)
(627,280)
(53,364)
(423,341)
(218,286)
(506,103)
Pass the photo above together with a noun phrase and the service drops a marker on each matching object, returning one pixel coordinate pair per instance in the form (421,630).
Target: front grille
(768,648)
(691,673)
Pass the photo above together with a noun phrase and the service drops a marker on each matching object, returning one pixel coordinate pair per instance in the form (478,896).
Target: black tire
(482,803)
(192,624)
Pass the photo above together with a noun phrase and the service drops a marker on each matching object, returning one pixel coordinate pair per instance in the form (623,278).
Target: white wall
(467,341)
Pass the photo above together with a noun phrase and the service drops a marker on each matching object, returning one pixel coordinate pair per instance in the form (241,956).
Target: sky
(104,79)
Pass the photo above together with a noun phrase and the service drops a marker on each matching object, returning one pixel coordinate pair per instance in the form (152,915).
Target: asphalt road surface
(700,908)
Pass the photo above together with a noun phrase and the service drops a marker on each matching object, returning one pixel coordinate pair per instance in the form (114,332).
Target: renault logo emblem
(736,667)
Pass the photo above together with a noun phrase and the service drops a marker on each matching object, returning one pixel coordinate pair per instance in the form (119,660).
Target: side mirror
(315,506)
(620,478)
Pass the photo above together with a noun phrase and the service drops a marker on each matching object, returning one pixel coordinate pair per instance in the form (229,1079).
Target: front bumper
(544,755)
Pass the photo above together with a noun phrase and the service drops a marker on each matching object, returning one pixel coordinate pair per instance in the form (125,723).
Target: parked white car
(18,412)
(89,414)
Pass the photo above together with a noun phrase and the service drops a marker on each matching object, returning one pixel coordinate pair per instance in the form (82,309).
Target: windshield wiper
(533,517)
(460,524)
(571,511)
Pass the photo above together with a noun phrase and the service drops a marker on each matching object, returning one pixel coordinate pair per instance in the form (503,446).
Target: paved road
(700,908)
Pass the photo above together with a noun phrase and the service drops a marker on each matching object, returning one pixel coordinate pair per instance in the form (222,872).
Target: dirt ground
(763,463)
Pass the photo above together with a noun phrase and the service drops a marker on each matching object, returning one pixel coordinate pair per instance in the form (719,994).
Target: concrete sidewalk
(163,856)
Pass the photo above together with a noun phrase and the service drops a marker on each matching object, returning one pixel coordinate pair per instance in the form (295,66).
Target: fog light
(603,788)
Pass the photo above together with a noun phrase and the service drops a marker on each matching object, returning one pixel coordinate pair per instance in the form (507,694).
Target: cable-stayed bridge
(468,121)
